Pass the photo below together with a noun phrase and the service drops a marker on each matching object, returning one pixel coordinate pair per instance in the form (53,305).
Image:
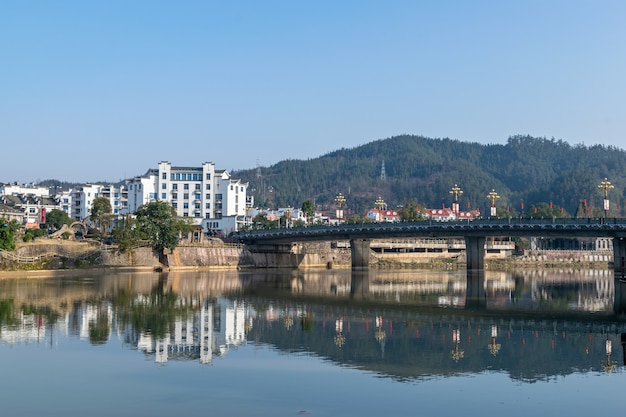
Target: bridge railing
(360,228)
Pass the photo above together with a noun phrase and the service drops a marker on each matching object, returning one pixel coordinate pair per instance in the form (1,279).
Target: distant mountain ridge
(526,170)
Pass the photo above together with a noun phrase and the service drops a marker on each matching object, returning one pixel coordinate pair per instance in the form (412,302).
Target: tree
(56,218)
(8,229)
(308,208)
(159,223)
(411,212)
(262,222)
(127,233)
(101,213)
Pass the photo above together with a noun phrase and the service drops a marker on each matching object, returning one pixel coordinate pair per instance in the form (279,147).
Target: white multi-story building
(82,199)
(210,197)
(64,199)
(27,189)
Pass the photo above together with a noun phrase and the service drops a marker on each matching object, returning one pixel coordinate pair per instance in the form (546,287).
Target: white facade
(64,200)
(82,199)
(142,190)
(210,197)
(29,189)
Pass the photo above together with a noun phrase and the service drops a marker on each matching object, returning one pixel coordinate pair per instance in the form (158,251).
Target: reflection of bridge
(474,232)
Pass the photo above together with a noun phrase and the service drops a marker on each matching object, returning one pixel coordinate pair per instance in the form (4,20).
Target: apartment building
(211,197)
(82,199)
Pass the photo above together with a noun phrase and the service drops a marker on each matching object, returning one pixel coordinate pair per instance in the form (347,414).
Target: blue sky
(95,91)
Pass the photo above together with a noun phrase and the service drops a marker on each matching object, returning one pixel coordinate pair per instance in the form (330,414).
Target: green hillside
(532,170)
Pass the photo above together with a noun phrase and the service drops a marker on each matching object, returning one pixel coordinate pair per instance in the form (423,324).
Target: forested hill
(423,170)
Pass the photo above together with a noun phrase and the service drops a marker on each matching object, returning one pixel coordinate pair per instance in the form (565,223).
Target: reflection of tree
(6,312)
(156,313)
(307,322)
(46,312)
(99,329)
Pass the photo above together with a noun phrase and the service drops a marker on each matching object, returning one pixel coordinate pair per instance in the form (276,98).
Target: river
(318,343)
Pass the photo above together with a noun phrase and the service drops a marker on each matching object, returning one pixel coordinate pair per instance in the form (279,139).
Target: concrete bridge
(474,233)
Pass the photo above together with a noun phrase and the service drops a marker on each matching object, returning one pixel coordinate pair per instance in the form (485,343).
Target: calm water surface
(317,343)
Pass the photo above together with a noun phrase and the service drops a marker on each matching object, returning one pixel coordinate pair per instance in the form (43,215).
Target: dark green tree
(56,218)
(128,234)
(101,213)
(159,224)
(308,208)
(8,229)
(411,212)
(262,222)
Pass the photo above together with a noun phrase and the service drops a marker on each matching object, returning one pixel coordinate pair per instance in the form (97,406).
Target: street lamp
(493,196)
(605,186)
(456,353)
(248,219)
(288,216)
(380,203)
(456,192)
(340,200)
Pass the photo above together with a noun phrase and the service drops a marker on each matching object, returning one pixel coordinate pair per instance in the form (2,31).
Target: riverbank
(55,255)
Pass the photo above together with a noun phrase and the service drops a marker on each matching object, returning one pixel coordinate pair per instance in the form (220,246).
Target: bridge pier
(475,252)
(360,251)
(360,284)
(475,295)
(619,257)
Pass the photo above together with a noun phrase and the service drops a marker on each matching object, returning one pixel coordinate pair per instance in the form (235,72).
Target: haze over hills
(423,170)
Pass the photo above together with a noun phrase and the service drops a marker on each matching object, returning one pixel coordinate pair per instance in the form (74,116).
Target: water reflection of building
(28,328)
(210,330)
(591,290)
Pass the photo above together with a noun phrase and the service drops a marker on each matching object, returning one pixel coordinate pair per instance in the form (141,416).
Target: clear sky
(104,90)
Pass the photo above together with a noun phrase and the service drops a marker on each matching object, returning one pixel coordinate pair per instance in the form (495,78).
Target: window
(186,196)
(208,176)
(197,205)
(174,196)
(231,188)
(163,196)
(174,204)
(164,176)
(207,206)
(197,214)
(207,196)
(198,186)
(184,176)
(174,186)
(186,186)
(186,205)
(207,187)
(178,176)
(185,214)
(172,177)
(164,186)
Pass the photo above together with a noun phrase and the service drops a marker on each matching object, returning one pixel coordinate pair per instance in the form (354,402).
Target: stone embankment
(56,255)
